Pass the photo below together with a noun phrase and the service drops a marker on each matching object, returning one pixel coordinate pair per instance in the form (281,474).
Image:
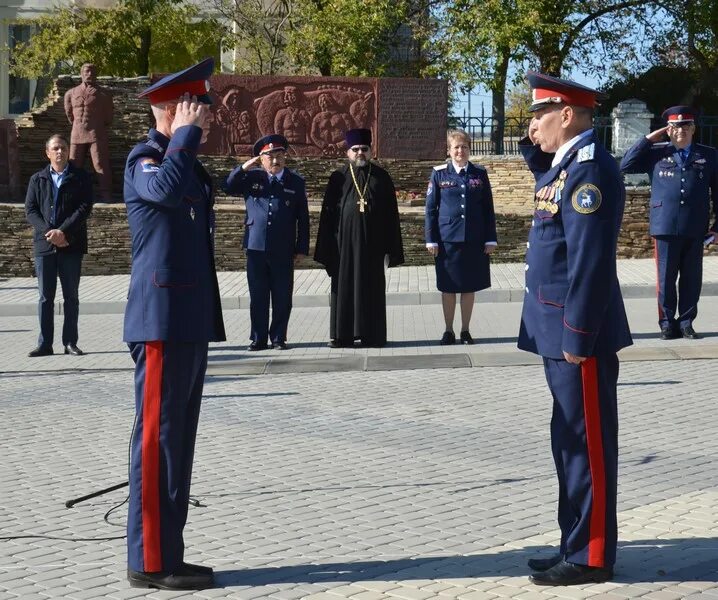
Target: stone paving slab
(405,286)
(433,483)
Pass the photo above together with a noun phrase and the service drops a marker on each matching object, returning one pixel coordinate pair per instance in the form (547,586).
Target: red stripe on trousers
(151,457)
(594,441)
(658,281)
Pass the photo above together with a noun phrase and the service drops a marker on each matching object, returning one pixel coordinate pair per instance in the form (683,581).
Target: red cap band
(175,91)
(681,117)
(575,97)
(271,146)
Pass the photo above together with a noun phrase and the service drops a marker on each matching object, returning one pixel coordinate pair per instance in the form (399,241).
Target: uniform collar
(565,148)
(457,168)
(159,138)
(278,175)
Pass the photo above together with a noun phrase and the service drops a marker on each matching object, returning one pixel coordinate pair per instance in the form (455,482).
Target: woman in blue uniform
(460,229)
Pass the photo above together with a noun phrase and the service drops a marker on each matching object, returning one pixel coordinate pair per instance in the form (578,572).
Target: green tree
(350,38)
(691,43)
(256,31)
(477,42)
(134,38)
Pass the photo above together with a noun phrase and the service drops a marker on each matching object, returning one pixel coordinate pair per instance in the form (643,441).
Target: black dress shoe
(280,346)
(544,564)
(183,579)
(669,333)
(340,344)
(690,333)
(73,349)
(198,568)
(448,338)
(256,346)
(466,337)
(566,573)
(41,351)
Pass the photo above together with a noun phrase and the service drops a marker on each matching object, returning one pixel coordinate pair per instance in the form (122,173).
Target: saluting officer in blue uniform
(173,311)
(460,230)
(573,316)
(276,233)
(684,181)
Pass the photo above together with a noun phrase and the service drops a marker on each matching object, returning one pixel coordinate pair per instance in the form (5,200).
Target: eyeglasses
(357,149)
(680,125)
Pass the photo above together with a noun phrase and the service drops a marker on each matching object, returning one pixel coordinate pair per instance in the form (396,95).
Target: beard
(360,161)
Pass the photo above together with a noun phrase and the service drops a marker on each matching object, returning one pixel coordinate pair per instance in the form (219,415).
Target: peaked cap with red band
(193,80)
(680,114)
(270,143)
(547,90)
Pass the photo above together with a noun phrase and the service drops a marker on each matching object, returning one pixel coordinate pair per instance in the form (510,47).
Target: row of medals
(549,196)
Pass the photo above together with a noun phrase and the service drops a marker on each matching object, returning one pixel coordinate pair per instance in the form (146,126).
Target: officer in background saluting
(684,181)
(573,316)
(173,311)
(276,233)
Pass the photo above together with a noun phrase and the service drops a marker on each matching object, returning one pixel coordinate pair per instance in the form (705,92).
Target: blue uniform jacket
(681,194)
(459,208)
(173,295)
(277,218)
(573,302)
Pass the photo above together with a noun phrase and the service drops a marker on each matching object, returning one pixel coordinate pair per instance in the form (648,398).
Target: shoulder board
(440,167)
(705,147)
(477,167)
(586,153)
(295,174)
(152,144)
(661,144)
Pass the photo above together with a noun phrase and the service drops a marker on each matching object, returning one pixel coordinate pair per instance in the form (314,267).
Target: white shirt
(561,152)
(278,175)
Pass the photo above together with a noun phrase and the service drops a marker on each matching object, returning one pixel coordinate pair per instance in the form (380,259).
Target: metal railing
(482,131)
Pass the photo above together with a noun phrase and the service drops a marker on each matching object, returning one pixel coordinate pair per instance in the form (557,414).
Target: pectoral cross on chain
(362,202)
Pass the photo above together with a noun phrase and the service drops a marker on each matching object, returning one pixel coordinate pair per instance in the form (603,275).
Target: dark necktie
(272,180)
(462,172)
(684,154)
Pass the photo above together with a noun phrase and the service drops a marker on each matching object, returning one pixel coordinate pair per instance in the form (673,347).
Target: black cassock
(352,244)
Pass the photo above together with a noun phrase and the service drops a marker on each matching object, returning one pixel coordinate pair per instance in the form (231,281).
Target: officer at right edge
(684,182)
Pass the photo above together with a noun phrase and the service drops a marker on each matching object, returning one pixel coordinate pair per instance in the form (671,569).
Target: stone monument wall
(110,247)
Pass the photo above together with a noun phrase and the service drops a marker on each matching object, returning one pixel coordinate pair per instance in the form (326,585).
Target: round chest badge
(586,199)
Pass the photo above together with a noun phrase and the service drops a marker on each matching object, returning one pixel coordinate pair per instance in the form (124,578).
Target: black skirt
(462,267)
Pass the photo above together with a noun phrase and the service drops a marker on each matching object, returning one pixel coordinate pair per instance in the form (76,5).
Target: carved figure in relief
(293,121)
(360,110)
(328,126)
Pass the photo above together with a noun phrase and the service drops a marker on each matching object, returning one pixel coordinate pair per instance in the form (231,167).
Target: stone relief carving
(312,117)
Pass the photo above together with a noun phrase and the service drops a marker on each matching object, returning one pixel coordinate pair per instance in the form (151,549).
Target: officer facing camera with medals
(276,233)
(684,183)
(173,312)
(573,316)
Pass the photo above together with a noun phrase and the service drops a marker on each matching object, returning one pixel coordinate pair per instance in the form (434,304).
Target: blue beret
(193,80)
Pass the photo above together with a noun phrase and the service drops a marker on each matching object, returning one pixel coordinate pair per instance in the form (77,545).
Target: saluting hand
(251,163)
(189,112)
(533,127)
(657,135)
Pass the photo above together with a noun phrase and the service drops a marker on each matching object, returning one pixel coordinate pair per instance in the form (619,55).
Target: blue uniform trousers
(677,254)
(168,391)
(269,277)
(584,441)
(68,266)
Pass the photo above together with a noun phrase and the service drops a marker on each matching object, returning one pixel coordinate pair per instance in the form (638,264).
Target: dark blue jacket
(459,208)
(573,301)
(277,219)
(74,207)
(173,295)
(681,194)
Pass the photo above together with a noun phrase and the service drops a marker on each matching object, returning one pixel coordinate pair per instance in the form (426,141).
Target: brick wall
(110,253)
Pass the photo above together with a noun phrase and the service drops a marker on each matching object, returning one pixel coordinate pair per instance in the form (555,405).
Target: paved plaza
(409,472)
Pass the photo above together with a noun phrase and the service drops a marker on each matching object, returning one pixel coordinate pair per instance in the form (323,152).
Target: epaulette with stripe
(440,167)
(586,153)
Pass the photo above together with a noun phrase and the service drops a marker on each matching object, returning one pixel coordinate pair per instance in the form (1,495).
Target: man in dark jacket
(58,202)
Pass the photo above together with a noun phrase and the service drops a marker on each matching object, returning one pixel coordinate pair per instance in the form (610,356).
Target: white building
(16,94)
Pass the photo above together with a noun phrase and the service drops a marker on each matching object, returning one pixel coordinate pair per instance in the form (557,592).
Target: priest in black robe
(359,234)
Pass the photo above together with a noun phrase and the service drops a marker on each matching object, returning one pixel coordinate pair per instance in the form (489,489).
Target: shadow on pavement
(638,561)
